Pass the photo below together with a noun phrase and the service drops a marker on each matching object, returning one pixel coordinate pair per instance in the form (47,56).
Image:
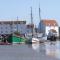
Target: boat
(32,38)
(35,40)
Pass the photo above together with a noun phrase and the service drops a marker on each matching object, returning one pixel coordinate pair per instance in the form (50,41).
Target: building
(46,25)
(8,27)
(30,30)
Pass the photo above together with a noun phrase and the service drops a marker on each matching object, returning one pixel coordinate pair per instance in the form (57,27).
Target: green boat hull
(15,39)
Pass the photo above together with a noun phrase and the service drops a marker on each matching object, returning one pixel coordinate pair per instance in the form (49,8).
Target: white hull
(34,40)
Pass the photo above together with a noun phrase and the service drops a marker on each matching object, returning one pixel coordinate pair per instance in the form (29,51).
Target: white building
(46,25)
(8,27)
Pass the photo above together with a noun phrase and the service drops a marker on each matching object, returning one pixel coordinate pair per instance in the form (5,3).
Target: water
(44,51)
(53,49)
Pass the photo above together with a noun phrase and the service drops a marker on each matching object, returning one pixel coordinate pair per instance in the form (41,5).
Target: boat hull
(35,40)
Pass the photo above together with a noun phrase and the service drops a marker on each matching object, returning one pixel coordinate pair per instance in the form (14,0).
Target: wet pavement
(43,51)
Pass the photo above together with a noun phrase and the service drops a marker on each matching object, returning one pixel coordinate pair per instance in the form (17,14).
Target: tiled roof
(49,22)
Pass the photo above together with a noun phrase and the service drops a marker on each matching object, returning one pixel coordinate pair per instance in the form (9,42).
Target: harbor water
(43,51)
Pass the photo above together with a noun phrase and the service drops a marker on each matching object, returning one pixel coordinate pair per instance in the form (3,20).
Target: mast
(31,22)
(40,17)
(11,26)
(39,13)
(17,23)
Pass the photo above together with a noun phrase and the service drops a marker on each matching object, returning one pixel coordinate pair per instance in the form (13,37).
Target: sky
(10,9)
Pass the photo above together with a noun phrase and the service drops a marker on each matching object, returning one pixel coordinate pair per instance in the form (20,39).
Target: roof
(11,22)
(49,22)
